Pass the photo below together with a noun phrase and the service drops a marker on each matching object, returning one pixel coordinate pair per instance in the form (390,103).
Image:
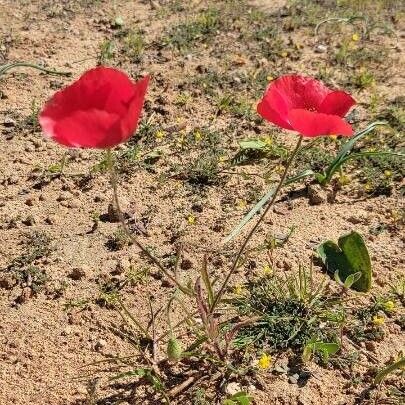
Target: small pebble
(233,388)
(9,122)
(100,344)
(321,48)
(30,201)
(293,379)
(50,219)
(316,194)
(75,203)
(29,220)
(77,273)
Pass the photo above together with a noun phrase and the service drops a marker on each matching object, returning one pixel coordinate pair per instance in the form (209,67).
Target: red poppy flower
(307,106)
(100,110)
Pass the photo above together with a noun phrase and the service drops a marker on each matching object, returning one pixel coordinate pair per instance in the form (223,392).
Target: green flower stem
(6,67)
(154,259)
(253,230)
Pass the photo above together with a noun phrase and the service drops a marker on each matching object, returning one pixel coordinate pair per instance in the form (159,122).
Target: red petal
(84,129)
(264,109)
(312,124)
(130,121)
(337,103)
(300,91)
(105,97)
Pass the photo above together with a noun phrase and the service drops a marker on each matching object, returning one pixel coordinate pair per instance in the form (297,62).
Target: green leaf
(351,279)
(253,144)
(345,259)
(323,348)
(240,398)
(346,149)
(329,348)
(139,372)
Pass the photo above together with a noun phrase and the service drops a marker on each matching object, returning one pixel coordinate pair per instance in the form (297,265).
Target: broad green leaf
(345,259)
(240,398)
(329,348)
(356,252)
(323,348)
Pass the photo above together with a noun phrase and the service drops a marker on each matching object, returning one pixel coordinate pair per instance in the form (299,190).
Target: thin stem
(137,324)
(63,162)
(6,67)
(155,260)
(253,230)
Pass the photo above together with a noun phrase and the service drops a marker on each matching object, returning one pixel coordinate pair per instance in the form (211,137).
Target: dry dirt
(46,337)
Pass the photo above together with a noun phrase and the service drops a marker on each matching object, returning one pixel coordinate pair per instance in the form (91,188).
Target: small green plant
(287,311)
(324,350)
(106,52)
(348,261)
(252,150)
(23,268)
(204,170)
(204,26)
(133,45)
(118,240)
(364,79)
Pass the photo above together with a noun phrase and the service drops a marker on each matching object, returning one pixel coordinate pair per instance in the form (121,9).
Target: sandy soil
(47,337)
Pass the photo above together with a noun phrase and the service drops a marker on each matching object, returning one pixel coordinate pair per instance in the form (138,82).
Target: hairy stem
(253,230)
(117,206)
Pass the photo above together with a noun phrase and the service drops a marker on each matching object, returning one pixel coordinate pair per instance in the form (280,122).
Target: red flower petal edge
(307,106)
(99,110)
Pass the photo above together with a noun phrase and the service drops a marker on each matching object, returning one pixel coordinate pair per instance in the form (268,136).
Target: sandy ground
(46,338)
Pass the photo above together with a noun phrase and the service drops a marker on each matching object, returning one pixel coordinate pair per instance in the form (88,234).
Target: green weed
(203,27)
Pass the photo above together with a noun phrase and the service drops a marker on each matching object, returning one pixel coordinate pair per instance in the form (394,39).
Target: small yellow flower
(387,173)
(242,204)
(284,54)
(197,135)
(368,187)
(222,158)
(395,215)
(270,78)
(267,270)
(378,320)
(389,306)
(333,137)
(355,37)
(239,289)
(279,169)
(344,180)
(268,140)
(191,219)
(160,134)
(265,361)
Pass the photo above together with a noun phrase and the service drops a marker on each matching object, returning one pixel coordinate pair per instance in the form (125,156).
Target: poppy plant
(307,106)
(100,110)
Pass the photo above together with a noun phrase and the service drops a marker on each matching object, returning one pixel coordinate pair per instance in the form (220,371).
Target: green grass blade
(261,204)
(347,147)
(400,364)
